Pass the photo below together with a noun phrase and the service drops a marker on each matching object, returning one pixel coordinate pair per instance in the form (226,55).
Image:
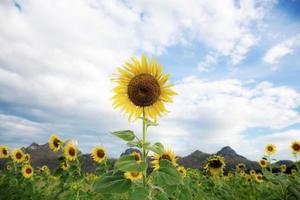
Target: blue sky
(235,66)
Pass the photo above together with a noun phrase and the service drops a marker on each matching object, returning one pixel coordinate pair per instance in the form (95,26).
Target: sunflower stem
(143,147)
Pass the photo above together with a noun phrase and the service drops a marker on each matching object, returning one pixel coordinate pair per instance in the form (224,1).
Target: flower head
(70,151)
(270,149)
(142,87)
(99,154)
(4,151)
(133,176)
(166,155)
(295,147)
(55,143)
(27,171)
(18,155)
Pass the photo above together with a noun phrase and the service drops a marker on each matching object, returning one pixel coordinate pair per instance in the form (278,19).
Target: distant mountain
(43,155)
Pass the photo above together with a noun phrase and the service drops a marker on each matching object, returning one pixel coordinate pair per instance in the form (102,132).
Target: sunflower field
(152,173)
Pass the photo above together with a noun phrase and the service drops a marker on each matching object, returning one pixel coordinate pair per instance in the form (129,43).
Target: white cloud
(282,49)
(208,63)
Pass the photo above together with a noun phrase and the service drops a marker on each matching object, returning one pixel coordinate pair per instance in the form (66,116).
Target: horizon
(234,65)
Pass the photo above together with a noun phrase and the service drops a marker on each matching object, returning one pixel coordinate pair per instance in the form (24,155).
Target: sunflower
(259,177)
(99,154)
(270,149)
(136,156)
(133,176)
(4,151)
(27,158)
(8,167)
(142,88)
(65,165)
(294,172)
(167,155)
(181,170)
(282,168)
(215,165)
(241,167)
(263,163)
(70,151)
(18,155)
(27,171)
(295,147)
(44,169)
(55,143)
(252,172)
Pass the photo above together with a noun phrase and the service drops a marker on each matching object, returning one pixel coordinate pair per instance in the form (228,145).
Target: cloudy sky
(235,65)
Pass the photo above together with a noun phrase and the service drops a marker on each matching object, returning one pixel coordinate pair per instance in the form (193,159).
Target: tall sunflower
(55,143)
(215,165)
(99,154)
(295,147)
(142,87)
(70,151)
(259,177)
(167,155)
(4,151)
(18,155)
(270,149)
(133,176)
(27,171)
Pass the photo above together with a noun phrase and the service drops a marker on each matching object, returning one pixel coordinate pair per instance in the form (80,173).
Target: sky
(235,66)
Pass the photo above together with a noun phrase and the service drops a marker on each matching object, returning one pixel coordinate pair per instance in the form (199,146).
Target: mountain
(43,155)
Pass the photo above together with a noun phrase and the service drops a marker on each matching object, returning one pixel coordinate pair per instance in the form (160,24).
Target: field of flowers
(141,92)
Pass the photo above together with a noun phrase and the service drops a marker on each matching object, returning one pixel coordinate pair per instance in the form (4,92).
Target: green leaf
(126,135)
(134,144)
(128,164)
(116,183)
(138,194)
(167,174)
(156,148)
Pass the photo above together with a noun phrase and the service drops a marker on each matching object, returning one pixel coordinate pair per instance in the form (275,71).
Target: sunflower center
(100,153)
(143,90)
(134,174)
(270,148)
(263,162)
(72,152)
(215,163)
(136,157)
(296,147)
(28,170)
(56,142)
(18,155)
(4,151)
(165,157)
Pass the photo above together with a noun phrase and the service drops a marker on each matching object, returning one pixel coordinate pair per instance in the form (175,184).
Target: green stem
(143,147)
(269,158)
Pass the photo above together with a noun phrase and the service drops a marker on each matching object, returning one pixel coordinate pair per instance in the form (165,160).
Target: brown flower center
(72,152)
(296,147)
(100,153)
(270,148)
(165,157)
(262,162)
(4,151)
(136,157)
(28,170)
(215,163)
(18,155)
(134,174)
(56,142)
(143,90)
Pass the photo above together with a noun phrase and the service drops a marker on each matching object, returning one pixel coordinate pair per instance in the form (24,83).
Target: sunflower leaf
(167,174)
(126,135)
(129,164)
(156,148)
(112,184)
